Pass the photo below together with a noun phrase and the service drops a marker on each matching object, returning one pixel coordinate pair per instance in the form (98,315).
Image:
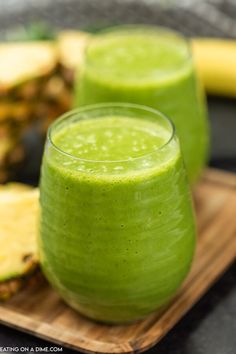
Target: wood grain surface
(38,309)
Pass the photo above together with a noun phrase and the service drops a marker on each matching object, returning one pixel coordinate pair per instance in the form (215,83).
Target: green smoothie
(153,67)
(117,232)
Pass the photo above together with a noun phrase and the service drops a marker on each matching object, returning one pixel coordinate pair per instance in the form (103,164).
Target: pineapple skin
(33,93)
(12,286)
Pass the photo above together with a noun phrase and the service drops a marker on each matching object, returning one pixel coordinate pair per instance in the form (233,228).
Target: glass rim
(118,29)
(120,105)
(143,26)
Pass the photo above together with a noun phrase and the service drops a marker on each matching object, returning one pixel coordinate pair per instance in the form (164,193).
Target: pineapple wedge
(71,47)
(18,232)
(26,69)
(20,62)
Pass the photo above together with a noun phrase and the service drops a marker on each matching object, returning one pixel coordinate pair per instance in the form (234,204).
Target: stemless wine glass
(117,233)
(151,66)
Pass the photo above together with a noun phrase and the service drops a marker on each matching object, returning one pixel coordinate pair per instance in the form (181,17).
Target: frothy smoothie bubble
(117,230)
(114,143)
(141,55)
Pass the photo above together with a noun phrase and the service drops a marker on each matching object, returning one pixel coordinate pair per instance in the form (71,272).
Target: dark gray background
(210,327)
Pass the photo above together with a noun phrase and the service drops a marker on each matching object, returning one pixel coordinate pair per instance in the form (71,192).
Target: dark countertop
(210,326)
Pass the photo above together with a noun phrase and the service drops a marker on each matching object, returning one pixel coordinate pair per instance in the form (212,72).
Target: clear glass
(152,66)
(117,235)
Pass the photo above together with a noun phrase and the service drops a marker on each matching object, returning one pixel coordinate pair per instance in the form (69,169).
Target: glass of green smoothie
(151,66)
(117,233)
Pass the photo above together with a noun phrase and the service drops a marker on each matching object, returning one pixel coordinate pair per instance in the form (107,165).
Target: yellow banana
(215,61)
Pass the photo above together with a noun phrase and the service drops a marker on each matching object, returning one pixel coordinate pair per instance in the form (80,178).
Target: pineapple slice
(21,62)
(18,232)
(71,46)
(25,70)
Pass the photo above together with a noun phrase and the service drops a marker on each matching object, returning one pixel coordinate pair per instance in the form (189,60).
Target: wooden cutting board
(39,311)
